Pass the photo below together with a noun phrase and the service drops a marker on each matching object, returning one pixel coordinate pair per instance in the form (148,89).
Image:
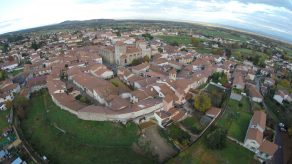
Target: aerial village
(97,75)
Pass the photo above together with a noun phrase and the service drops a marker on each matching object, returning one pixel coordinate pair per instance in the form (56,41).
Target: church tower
(120,48)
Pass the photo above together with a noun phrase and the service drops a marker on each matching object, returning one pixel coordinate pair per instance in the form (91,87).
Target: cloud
(260,15)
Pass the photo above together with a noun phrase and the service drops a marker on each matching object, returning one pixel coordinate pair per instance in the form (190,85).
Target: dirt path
(158,144)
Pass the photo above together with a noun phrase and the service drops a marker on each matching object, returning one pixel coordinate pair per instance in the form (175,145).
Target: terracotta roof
(168,98)
(253,91)
(41,80)
(238,79)
(255,134)
(141,66)
(132,49)
(119,103)
(178,116)
(259,118)
(268,147)
(213,111)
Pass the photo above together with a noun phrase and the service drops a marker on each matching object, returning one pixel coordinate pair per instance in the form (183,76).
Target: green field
(224,34)
(64,138)
(247,54)
(199,153)
(3,120)
(236,118)
(180,39)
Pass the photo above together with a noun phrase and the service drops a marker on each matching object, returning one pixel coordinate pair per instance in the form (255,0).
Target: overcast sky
(272,17)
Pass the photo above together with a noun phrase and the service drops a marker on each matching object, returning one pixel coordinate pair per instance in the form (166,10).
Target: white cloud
(34,13)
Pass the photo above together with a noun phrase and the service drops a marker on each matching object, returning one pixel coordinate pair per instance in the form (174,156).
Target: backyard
(193,124)
(236,118)
(64,138)
(216,94)
(3,120)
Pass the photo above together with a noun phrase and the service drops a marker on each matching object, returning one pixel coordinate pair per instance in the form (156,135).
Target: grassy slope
(83,142)
(198,153)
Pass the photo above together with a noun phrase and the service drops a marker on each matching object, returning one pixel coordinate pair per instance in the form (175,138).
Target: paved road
(279,155)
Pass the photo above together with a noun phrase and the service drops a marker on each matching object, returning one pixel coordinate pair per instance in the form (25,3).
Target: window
(125,61)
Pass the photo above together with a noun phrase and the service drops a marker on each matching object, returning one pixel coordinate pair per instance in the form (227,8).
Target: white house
(282,95)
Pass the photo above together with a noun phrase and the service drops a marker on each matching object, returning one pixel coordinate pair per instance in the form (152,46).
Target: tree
(284,83)
(146,59)
(223,79)
(216,139)
(217,51)
(175,43)
(20,102)
(202,102)
(2,75)
(118,33)
(195,42)
(8,104)
(290,131)
(228,53)
(147,36)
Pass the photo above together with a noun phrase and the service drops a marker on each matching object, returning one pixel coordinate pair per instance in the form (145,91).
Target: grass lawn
(199,153)
(193,124)
(15,72)
(180,39)
(83,141)
(118,83)
(3,119)
(278,112)
(203,50)
(236,118)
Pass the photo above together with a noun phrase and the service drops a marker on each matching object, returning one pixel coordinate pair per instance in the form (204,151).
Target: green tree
(8,104)
(146,59)
(202,102)
(175,43)
(228,53)
(20,102)
(2,75)
(290,131)
(238,55)
(147,36)
(284,83)
(216,139)
(223,79)
(195,42)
